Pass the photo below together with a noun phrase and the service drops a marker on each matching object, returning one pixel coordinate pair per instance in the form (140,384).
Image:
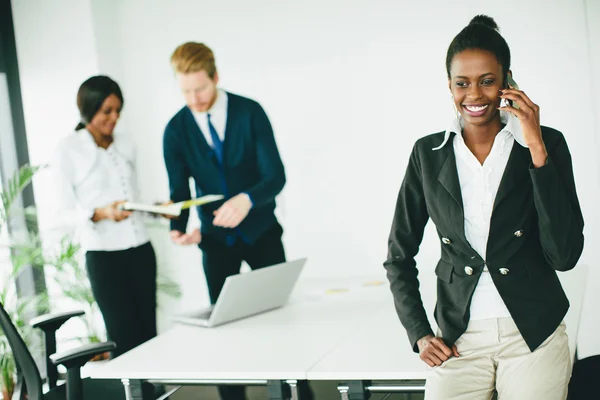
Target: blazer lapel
(198,143)
(448,177)
(516,170)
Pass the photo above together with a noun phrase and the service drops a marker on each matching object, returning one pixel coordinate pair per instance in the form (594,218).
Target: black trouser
(124,285)
(221,261)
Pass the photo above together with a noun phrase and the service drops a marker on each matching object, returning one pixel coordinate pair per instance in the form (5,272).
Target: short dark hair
(91,95)
(481,33)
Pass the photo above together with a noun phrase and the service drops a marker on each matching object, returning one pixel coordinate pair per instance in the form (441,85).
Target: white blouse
(479,185)
(86,177)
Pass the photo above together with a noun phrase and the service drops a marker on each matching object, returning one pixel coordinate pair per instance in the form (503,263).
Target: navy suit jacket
(536,229)
(251,164)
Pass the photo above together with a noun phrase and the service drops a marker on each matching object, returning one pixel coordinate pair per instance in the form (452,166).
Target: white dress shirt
(479,186)
(218,117)
(86,177)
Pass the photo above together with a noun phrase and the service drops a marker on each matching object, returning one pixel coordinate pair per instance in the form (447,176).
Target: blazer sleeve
(406,234)
(270,166)
(178,173)
(559,215)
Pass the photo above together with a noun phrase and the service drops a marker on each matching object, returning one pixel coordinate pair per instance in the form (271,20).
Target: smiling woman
(503,199)
(94,171)
(475,92)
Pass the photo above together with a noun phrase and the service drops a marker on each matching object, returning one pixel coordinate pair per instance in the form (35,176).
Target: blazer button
(445,240)
(518,233)
(504,271)
(468,270)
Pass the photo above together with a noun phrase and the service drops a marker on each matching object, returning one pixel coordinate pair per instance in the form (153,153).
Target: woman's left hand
(528,114)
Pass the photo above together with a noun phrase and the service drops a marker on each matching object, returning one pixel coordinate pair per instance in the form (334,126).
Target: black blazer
(536,230)
(251,164)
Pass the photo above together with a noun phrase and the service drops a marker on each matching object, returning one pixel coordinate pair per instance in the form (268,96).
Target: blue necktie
(217,144)
(218,148)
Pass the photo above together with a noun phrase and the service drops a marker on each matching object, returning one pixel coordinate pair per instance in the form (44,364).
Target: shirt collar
(513,126)
(119,144)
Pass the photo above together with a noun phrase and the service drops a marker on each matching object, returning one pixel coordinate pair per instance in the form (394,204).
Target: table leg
(293,384)
(278,390)
(354,390)
(343,392)
(134,390)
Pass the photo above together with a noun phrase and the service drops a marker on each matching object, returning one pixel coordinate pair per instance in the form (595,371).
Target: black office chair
(29,382)
(49,324)
(584,379)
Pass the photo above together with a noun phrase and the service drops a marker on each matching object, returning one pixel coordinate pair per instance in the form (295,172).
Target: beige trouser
(494,357)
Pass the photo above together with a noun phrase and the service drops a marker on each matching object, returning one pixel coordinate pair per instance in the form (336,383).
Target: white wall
(590,323)
(56,51)
(348,85)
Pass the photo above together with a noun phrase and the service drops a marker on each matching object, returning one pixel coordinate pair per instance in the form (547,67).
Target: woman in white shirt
(94,172)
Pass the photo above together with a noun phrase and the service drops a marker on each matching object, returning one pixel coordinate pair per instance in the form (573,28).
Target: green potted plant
(7,366)
(17,308)
(63,264)
(20,310)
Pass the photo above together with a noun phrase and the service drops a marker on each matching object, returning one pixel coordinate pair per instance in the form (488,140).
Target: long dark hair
(91,95)
(481,33)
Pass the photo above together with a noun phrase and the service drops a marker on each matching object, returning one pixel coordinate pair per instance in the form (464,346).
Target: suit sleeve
(559,215)
(179,175)
(270,166)
(409,222)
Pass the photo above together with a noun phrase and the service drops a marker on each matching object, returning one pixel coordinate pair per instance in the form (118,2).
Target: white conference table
(352,335)
(270,348)
(379,351)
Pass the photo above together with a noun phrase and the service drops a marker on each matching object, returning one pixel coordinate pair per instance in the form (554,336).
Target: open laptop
(248,294)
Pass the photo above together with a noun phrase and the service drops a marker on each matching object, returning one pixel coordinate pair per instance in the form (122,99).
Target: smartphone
(510,81)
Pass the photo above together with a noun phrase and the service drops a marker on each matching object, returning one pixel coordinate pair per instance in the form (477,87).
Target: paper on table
(172,209)
(318,289)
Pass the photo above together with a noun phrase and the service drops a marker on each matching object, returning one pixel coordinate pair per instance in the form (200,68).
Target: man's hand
(434,351)
(185,239)
(233,211)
